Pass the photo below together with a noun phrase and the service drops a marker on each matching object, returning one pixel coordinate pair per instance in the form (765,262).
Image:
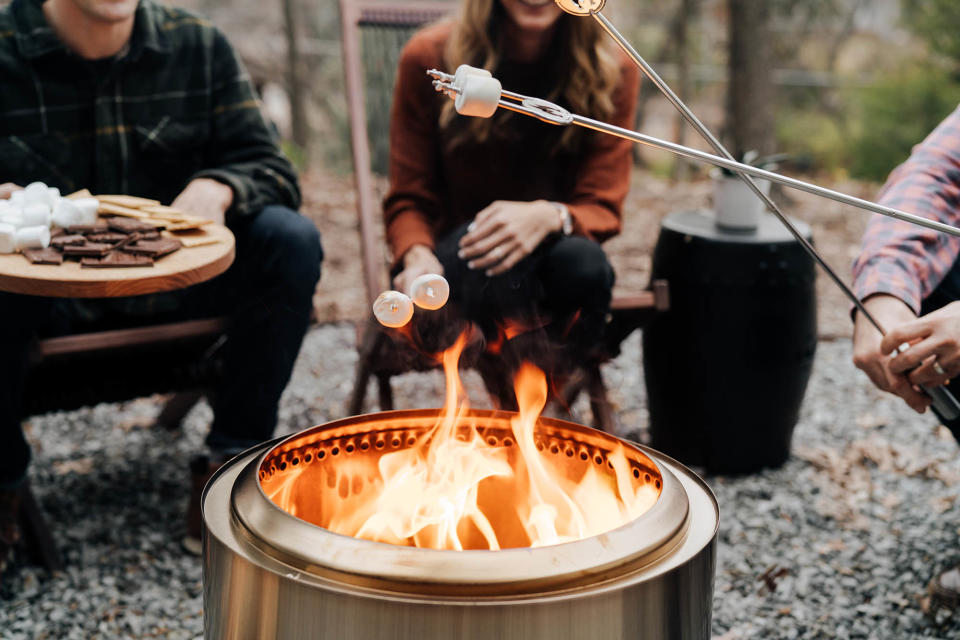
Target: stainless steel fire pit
(271,574)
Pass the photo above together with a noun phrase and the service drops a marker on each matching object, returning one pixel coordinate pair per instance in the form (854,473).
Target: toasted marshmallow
(430,291)
(393,309)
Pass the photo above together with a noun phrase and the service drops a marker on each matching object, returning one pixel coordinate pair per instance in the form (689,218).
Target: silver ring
(938,369)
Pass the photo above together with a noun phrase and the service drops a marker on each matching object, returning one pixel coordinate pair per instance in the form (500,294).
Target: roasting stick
(943,400)
(481,96)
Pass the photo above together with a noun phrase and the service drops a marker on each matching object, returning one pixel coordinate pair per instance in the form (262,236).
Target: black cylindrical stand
(727,366)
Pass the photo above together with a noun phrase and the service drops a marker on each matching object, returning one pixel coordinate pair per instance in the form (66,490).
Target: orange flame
(455,489)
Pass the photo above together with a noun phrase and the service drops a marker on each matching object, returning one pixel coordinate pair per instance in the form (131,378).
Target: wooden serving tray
(180,269)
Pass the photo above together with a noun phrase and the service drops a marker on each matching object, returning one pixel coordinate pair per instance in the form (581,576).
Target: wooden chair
(89,368)
(373,34)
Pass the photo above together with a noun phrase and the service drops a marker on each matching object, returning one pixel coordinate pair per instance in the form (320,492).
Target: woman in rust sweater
(510,209)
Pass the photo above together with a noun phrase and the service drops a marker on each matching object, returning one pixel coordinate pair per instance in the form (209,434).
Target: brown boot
(944,591)
(9,525)
(201,470)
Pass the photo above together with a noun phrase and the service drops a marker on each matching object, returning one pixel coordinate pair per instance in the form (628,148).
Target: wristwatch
(566,222)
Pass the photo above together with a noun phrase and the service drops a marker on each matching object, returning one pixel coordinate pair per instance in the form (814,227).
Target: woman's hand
(934,354)
(205,197)
(7,188)
(506,232)
(418,260)
(868,353)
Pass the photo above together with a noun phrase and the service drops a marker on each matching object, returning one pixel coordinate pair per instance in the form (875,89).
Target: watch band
(566,221)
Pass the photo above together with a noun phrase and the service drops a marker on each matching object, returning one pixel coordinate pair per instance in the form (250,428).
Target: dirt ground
(330,201)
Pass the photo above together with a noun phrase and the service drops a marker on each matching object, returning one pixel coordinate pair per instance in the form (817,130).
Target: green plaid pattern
(175,106)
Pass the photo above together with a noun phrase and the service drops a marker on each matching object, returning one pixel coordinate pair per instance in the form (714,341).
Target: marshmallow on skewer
(430,291)
(478,96)
(8,238)
(33,238)
(393,309)
(465,70)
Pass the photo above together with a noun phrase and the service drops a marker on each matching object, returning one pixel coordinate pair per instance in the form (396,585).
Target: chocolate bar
(110,237)
(128,225)
(95,249)
(43,256)
(67,239)
(97,227)
(117,259)
(154,248)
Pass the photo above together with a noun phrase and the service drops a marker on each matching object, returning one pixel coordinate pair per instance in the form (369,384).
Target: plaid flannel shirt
(902,259)
(175,106)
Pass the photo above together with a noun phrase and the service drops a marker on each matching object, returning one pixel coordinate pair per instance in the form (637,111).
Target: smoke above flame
(460,487)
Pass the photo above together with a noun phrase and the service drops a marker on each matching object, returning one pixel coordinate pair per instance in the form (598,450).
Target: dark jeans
(566,282)
(946,292)
(267,293)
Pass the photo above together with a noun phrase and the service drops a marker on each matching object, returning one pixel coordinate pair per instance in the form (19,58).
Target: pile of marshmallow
(26,217)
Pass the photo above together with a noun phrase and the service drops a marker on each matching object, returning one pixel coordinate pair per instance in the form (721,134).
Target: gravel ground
(849,530)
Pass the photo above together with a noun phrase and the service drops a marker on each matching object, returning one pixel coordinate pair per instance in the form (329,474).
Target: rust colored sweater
(436,186)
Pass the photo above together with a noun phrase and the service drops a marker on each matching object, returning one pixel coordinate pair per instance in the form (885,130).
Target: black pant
(946,292)
(565,284)
(267,292)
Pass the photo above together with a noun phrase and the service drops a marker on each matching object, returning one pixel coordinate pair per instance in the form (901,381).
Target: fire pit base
(251,590)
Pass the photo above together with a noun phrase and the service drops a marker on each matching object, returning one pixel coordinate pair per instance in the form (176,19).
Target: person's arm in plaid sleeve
(243,154)
(900,264)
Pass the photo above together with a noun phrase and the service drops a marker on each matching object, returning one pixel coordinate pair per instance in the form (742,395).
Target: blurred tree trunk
(295,89)
(687,13)
(751,94)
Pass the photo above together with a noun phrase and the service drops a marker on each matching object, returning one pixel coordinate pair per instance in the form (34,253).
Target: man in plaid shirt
(130,97)
(905,271)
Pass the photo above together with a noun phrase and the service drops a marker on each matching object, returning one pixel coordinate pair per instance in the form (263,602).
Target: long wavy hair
(585,75)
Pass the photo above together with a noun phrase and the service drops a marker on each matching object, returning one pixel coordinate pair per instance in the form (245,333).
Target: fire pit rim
(310,546)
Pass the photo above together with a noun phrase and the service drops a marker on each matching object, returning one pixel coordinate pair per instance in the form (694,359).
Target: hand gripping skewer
(483,102)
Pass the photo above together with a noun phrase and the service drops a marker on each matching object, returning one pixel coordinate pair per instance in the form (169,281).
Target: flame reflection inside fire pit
(463,484)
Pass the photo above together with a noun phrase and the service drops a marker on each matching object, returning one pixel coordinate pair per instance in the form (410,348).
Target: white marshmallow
(37,192)
(88,208)
(18,198)
(67,214)
(53,194)
(33,238)
(430,291)
(36,214)
(393,309)
(8,238)
(12,216)
(465,70)
(478,96)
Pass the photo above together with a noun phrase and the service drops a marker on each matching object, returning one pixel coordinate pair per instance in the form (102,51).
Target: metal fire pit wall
(269,574)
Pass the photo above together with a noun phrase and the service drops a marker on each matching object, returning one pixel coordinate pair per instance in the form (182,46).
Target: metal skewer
(943,400)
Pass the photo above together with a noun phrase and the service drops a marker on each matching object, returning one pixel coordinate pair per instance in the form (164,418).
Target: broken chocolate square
(117,259)
(95,249)
(43,256)
(67,239)
(154,248)
(97,227)
(110,237)
(128,225)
